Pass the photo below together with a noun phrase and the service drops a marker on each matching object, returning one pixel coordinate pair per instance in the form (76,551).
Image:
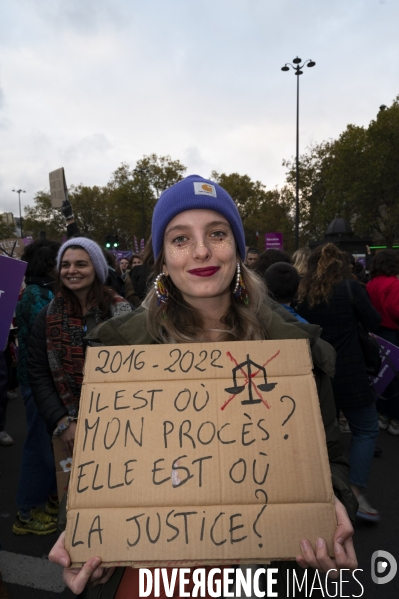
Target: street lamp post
(298,71)
(142,171)
(19,191)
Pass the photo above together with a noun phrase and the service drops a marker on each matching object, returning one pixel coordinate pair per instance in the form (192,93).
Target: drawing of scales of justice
(245,368)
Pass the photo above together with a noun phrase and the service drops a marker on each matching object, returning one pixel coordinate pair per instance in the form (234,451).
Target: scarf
(65,346)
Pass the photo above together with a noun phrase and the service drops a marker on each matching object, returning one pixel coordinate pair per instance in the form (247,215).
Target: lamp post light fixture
(19,191)
(298,71)
(142,171)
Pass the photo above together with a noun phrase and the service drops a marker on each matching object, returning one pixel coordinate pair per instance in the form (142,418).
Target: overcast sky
(88,84)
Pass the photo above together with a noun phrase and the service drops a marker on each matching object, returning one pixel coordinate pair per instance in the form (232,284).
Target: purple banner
(11,276)
(27,240)
(119,254)
(273,241)
(386,374)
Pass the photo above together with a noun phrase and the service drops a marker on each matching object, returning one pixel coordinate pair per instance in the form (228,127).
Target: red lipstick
(208,271)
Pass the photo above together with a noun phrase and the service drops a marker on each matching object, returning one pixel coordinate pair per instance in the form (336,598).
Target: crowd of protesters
(329,288)
(70,289)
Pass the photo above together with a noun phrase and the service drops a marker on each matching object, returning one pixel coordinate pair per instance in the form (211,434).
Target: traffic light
(116,242)
(108,242)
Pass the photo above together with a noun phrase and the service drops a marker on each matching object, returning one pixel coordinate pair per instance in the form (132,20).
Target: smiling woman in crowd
(56,344)
(203,293)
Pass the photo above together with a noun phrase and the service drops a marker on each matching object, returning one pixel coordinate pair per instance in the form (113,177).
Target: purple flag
(11,276)
(390,354)
(136,245)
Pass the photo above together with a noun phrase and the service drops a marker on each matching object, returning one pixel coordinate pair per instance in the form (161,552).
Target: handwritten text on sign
(198,452)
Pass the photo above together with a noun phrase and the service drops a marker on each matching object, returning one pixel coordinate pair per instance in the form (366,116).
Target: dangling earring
(239,290)
(237,285)
(160,289)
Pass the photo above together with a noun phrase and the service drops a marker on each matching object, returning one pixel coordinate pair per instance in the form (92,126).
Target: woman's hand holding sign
(77,579)
(344,551)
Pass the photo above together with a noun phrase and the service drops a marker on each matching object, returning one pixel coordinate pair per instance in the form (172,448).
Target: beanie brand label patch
(205,189)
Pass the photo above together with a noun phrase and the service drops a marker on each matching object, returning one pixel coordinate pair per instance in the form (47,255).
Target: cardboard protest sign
(13,248)
(58,188)
(11,276)
(198,453)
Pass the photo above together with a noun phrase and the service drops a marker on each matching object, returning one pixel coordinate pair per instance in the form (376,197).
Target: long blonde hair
(179,322)
(300,260)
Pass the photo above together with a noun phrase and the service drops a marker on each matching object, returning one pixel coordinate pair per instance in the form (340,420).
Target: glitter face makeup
(177,250)
(200,254)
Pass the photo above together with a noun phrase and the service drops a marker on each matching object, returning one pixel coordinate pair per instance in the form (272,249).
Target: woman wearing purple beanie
(57,346)
(202,293)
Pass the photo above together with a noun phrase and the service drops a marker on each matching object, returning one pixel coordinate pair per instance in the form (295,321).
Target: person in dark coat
(37,483)
(325,299)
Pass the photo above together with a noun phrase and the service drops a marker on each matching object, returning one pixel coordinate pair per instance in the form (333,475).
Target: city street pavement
(23,560)
(29,575)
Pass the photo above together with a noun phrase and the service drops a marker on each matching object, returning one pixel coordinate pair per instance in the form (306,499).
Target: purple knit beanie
(94,251)
(193,193)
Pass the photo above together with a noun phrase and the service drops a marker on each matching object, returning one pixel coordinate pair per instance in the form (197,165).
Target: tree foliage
(7,231)
(132,193)
(261,210)
(42,217)
(123,207)
(354,177)
(378,185)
